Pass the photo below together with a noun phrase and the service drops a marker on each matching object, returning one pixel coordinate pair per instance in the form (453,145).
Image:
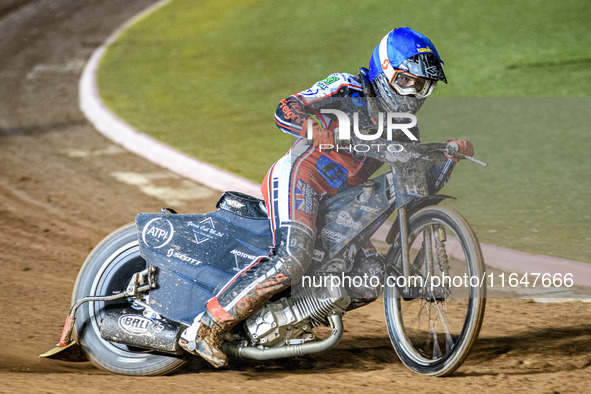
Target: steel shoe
(204,338)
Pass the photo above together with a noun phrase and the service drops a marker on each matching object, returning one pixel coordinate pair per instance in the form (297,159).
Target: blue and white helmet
(404,69)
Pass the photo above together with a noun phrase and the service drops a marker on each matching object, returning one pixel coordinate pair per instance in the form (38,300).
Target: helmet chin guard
(390,101)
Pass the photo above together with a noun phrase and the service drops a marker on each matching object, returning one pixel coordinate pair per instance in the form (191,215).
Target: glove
(461,146)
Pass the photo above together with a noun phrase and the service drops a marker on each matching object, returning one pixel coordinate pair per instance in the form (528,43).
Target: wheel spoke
(444,323)
(436,348)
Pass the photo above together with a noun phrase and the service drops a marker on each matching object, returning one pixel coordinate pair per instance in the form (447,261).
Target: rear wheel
(107,271)
(434,315)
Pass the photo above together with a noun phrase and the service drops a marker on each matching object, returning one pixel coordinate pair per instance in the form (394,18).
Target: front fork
(404,247)
(431,233)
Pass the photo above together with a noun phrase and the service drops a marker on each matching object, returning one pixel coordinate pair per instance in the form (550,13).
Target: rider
(403,70)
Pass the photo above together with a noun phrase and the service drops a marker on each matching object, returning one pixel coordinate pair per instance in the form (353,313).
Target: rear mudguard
(196,255)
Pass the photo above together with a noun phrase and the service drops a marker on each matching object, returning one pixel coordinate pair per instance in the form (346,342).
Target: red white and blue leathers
(292,189)
(307,174)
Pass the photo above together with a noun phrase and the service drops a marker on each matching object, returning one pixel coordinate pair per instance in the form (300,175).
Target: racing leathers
(293,189)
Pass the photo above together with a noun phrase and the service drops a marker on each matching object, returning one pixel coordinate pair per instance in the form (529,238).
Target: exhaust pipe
(128,327)
(255,353)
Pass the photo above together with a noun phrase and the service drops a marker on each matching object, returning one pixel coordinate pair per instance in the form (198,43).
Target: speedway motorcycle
(145,283)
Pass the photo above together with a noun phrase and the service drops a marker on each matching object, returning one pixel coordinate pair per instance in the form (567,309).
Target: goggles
(407,84)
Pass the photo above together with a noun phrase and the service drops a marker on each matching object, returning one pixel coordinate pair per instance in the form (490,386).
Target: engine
(289,321)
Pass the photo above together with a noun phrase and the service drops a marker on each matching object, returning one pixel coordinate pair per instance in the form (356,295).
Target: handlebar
(445,148)
(454,153)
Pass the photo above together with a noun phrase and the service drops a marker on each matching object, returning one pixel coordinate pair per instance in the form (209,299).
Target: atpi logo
(157,233)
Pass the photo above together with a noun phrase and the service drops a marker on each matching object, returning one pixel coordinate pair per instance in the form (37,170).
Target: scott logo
(157,233)
(139,325)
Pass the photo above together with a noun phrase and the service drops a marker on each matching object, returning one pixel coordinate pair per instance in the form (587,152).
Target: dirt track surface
(63,187)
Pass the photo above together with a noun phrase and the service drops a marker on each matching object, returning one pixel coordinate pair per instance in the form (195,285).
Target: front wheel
(435,313)
(107,271)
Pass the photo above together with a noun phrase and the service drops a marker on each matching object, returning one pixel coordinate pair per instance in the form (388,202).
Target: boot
(204,338)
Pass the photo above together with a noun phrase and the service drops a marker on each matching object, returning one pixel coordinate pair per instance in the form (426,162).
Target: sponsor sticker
(306,198)
(239,253)
(332,235)
(139,325)
(204,230)
(318,255)
(175,254)
(345,219)
(157,233)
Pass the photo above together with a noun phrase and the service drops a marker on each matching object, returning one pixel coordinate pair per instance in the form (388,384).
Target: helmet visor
(407,84)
